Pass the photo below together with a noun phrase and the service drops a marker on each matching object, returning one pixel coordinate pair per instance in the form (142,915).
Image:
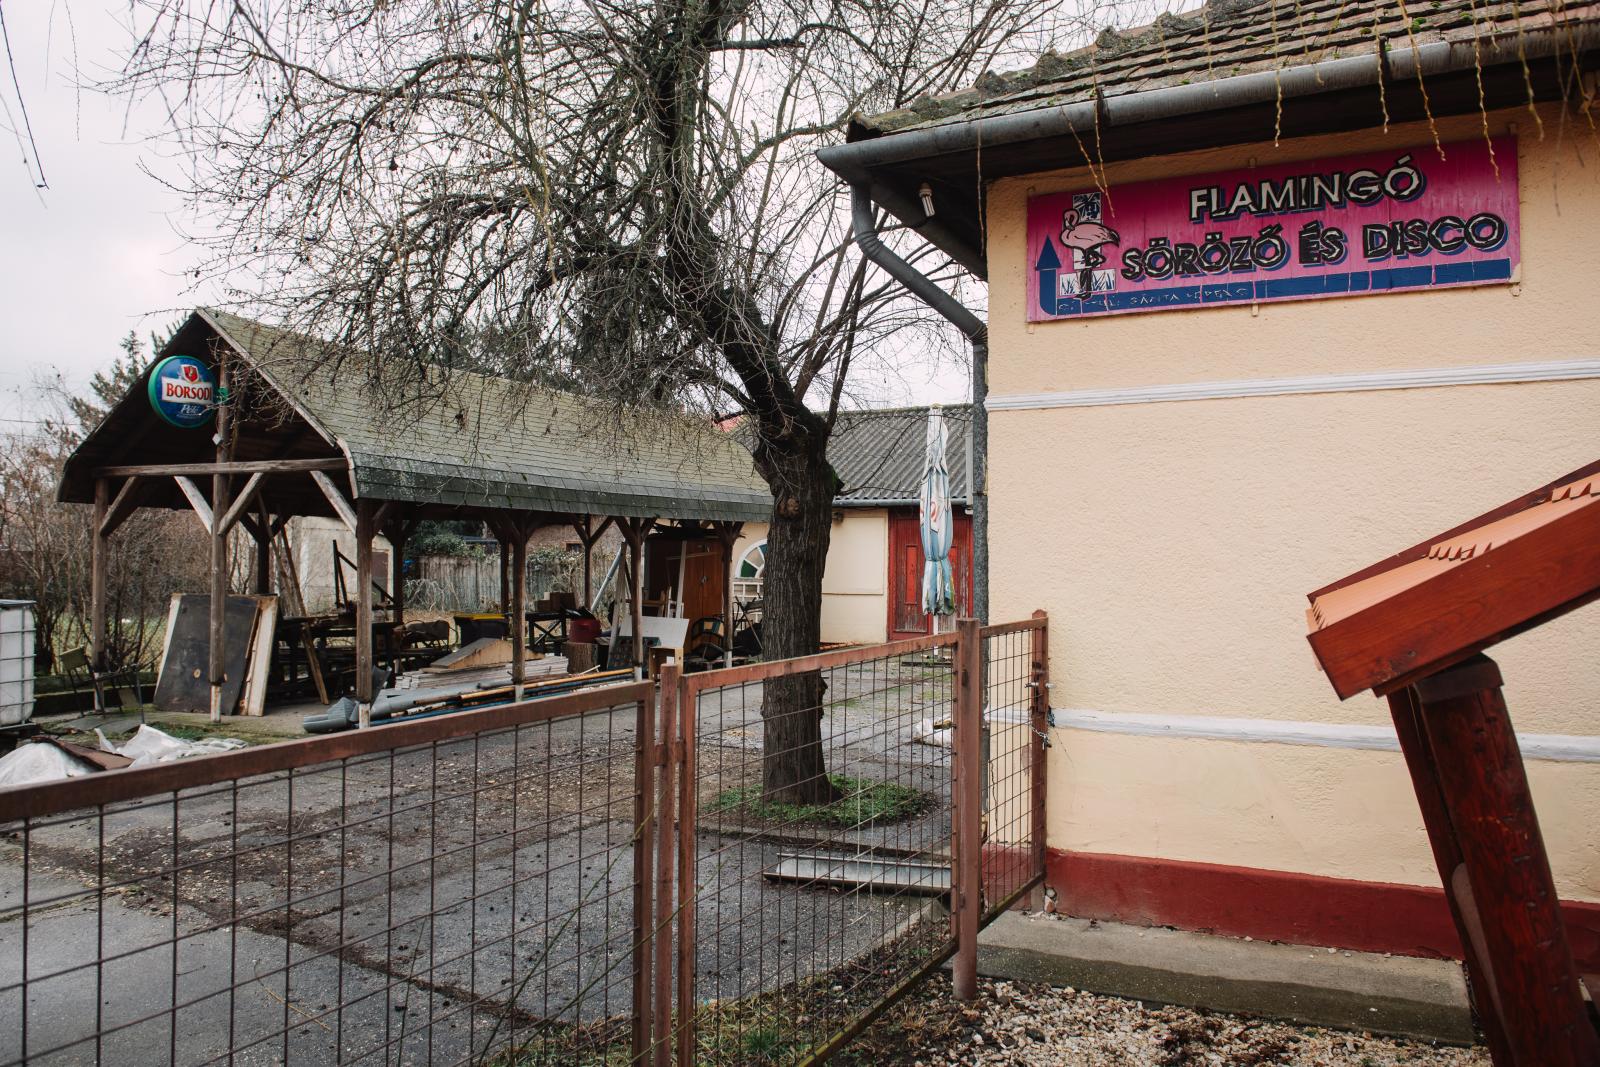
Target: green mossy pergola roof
(452,439)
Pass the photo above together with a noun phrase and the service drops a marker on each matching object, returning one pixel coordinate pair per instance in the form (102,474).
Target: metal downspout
(977,332)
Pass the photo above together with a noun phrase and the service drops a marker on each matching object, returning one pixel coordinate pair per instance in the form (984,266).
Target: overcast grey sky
(95,254)
(100,252)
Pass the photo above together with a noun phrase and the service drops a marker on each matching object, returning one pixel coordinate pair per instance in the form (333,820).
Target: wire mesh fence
(1015,709)
(455,890)
(821,892)
(499,886)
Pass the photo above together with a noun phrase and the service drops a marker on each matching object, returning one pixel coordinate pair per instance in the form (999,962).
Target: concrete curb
(1400,995)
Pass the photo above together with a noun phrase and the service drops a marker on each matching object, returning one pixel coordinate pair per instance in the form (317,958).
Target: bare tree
(45,545)
(621,190)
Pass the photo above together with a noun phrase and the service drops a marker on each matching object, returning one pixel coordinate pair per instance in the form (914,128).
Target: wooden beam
(97,580)
(634,532)
(727,537)
(219,548)
(519,610)
(197,470)
(242,502)
(364,528)
(1484,785)
(341,506)
(197,500)
(122,505)
(262,535)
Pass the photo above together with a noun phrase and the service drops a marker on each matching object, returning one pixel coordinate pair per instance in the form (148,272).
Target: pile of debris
(49,759)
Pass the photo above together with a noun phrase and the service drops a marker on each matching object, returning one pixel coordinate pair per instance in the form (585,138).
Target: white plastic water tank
(16,662)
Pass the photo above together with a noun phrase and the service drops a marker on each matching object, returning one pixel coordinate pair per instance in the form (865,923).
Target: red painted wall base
(1303,909)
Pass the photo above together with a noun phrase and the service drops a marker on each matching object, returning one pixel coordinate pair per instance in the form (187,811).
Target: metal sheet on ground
(870,873)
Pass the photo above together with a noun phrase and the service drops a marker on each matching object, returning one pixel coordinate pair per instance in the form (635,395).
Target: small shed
(249,424)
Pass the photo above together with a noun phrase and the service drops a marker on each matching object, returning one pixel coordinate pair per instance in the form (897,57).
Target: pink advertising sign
(1378,222)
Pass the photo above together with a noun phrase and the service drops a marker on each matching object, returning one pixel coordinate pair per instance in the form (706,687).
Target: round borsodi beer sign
(182,391)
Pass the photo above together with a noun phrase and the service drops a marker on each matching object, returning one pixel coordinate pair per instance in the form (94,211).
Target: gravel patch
(1019,1025)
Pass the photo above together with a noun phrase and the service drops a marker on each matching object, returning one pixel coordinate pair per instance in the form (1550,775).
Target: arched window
(749,571)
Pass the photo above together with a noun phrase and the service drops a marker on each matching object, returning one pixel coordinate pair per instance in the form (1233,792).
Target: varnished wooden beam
(242,502)
(253,466)
(341,506)
(122,505)
(197,500)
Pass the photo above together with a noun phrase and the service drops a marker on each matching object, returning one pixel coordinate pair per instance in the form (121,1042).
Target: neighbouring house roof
(1228,72)
(879,454)
(461,439)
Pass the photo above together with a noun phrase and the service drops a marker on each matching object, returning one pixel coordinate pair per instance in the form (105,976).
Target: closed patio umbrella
(933,499)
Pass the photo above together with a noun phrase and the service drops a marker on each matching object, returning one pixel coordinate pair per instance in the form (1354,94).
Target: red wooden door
(906,618)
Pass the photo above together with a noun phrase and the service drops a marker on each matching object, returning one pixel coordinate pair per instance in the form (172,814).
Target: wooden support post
(365,529)
(1406,710)
(633,531)
(1484,788)
(967,785)
(505,568)
(398,531)
(97,583)
(519,605)
(728,536)
(218,664)
(585,530)
(589,535)
(262,533)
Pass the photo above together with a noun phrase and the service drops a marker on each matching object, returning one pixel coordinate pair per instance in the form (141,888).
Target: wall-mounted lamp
(926,192)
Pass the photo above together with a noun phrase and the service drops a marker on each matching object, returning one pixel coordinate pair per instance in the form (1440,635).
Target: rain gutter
(855,161)
(865,225)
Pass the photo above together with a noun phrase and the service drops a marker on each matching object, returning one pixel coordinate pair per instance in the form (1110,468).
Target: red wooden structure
(1413,628)
(906,617)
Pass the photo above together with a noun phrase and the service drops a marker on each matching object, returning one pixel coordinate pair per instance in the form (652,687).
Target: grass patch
(863,802)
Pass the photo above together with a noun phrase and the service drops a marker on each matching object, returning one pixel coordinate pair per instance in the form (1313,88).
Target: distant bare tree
(45,545)
(622,191)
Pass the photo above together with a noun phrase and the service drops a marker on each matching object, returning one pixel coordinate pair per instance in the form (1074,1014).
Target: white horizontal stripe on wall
(1563,748)
(1484,374)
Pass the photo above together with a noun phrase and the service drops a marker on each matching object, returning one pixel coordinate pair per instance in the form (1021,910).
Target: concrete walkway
(1349,990)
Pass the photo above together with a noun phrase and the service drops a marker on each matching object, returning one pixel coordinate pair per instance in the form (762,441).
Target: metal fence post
(967,818)
(671,749)
(1038,743)
(688,869)
(644,823)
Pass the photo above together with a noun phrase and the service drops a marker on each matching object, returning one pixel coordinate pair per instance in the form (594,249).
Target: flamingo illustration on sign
(1087,236)
(1084,233)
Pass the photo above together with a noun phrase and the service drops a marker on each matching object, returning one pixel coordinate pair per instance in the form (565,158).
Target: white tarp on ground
(31,763)
(149,745)
(27,764)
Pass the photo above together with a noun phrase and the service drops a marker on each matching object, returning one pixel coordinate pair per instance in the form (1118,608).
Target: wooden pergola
(304,428)
(1413,628)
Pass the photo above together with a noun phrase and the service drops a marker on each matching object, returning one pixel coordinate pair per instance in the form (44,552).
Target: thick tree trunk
(794,767)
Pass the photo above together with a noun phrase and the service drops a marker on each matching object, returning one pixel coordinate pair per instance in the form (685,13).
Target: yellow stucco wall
(1173,543)
(855,584)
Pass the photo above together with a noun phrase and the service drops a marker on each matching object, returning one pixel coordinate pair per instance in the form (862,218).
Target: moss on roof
(1225,38)
(466,439)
